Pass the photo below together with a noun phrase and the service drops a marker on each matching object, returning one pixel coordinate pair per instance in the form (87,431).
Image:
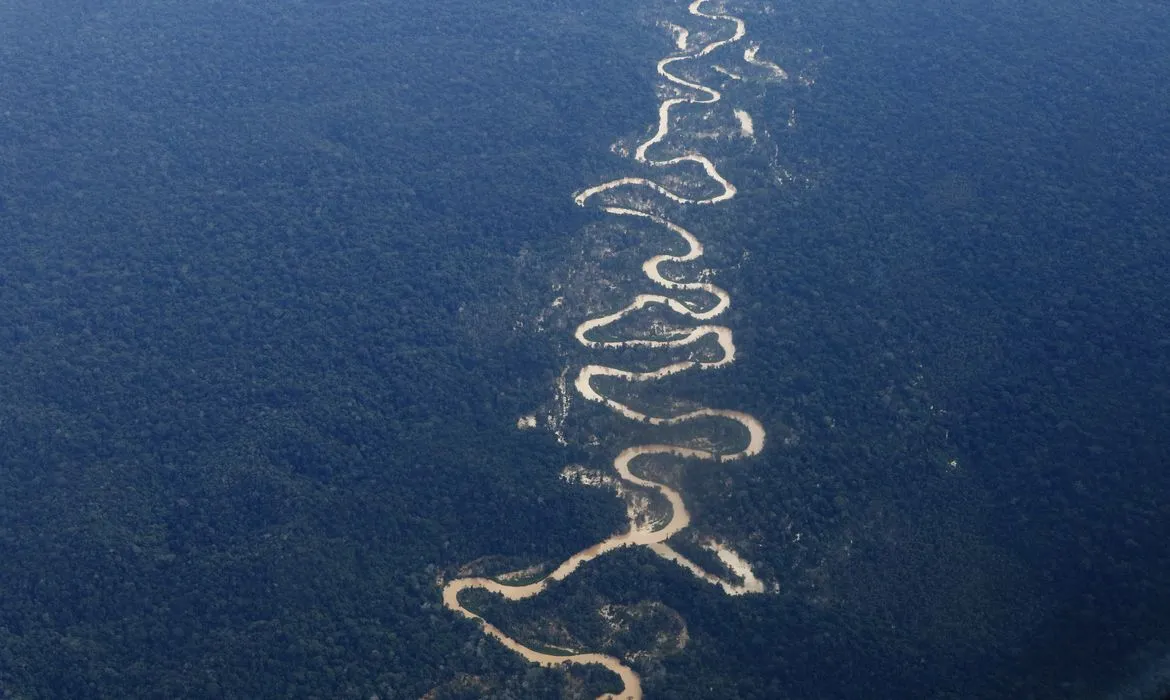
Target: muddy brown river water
(655,539)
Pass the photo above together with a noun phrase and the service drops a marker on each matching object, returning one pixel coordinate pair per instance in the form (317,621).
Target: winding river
(655,538)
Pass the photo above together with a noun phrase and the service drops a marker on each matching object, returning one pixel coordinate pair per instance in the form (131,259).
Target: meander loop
(653,539)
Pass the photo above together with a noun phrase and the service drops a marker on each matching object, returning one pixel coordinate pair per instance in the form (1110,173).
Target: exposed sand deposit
(592,378)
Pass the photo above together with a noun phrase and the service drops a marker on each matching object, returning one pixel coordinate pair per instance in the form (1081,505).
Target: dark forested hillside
(955,313)
(250,400)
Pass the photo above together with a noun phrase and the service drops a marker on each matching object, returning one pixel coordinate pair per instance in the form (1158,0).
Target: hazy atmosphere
(667,349)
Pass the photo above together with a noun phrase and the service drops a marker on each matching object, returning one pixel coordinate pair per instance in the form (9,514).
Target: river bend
(655,538)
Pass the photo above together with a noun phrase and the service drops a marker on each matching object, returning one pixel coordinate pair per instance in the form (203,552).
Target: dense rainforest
(277,280)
